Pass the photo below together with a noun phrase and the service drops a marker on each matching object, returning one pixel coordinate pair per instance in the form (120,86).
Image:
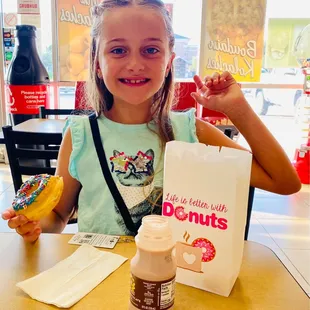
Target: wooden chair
(18,156)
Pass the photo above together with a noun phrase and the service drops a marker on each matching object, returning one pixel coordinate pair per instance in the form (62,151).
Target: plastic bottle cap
(25,31)
(155,234)
(26,27)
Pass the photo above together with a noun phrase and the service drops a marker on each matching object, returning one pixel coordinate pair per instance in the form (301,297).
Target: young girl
(131,89)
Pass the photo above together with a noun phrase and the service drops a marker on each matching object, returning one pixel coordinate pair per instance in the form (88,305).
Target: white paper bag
(205,198)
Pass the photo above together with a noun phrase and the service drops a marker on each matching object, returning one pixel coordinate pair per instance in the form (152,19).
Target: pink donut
(208,249)
(180,214)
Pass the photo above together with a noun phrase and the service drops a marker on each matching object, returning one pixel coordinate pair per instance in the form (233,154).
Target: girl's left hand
(219,92)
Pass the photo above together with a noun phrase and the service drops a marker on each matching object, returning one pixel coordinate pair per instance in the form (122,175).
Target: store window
(43,23)
(280,106)
(74,38)
(186,17)
(67,97)
(275,95)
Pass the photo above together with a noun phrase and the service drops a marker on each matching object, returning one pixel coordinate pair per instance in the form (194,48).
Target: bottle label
(150,295)
(26,99)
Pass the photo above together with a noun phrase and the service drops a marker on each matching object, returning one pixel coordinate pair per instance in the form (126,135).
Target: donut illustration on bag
(190,256)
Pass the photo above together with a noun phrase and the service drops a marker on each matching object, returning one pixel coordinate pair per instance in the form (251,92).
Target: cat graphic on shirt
(135,182)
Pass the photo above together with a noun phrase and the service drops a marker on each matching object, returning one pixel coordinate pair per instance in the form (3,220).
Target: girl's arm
(56,221)
(271,168)
(60,216)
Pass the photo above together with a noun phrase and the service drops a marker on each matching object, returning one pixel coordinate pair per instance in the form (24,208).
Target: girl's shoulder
(75,122)
(78,125)
(184,125)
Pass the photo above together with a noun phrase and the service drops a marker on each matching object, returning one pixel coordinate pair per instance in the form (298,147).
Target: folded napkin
(72,278)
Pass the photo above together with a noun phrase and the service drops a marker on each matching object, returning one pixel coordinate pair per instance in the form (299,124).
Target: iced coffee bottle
(153,268)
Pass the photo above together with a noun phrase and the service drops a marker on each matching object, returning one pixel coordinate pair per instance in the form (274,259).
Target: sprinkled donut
(208,249)
(38,196)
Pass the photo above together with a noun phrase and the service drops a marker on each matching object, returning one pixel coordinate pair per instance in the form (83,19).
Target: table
(264,283)
(41,125)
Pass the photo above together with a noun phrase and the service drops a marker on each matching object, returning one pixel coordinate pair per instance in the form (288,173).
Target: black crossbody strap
(108,176)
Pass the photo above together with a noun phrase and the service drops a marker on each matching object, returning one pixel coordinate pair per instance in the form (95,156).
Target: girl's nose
(135,64)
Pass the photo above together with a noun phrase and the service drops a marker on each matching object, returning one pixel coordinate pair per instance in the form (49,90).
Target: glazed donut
(38,196)
(208,249)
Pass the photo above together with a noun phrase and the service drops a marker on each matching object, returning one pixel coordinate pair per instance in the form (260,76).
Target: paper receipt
(96,240)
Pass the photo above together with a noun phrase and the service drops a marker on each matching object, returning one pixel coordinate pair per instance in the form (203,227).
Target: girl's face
(134,54)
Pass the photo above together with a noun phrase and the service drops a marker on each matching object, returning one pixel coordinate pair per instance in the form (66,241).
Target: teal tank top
(135,158)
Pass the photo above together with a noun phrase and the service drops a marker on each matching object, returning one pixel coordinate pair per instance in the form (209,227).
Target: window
(278,96)
(186,17)
(67,97)
(43,22)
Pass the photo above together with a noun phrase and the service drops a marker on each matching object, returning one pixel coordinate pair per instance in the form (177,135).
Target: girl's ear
(170,64)
(98,71)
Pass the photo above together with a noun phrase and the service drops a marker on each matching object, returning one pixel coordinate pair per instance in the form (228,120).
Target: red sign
(26,99)
(28,7)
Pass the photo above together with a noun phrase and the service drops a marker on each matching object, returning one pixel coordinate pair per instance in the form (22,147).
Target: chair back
(27,154)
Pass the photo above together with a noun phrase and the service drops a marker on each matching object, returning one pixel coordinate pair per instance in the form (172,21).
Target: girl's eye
(118,51)
(151,50)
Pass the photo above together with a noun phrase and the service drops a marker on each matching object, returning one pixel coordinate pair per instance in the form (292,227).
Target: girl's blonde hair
(96,91)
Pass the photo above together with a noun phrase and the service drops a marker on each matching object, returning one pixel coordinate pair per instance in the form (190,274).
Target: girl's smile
(134,82)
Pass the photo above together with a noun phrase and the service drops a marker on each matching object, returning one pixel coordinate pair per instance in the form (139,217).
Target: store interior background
(280,222)
(281,116)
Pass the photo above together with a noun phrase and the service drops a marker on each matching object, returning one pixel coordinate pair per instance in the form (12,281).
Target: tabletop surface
(263,284)
(41,125)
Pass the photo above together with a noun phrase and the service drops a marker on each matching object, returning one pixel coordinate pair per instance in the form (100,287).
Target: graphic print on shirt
(135,182)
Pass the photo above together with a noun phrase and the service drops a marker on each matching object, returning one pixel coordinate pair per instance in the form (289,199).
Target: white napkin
(72,278)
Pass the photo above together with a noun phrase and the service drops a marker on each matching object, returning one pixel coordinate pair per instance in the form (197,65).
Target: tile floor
(282,223)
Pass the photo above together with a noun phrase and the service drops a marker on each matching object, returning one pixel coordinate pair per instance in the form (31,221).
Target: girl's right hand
(29,230)
(220,92)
